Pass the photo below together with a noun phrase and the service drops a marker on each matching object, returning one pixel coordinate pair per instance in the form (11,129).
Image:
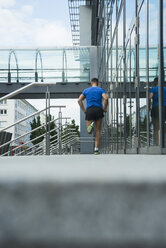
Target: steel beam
(69,90)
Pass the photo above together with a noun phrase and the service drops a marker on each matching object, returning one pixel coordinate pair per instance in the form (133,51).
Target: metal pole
(120,116)
(47,122)
(49,116)
(124,72)
(60,131)
(111,84)
(137,79)
(147,73)
(117,122)
(130,120)
(36,76)
(161,76)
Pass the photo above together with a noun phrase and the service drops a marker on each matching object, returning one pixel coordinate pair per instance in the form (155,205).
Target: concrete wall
(105,201)
(87,141)
(85,25)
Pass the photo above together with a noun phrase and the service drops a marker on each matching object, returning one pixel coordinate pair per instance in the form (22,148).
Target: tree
(70,131)
(53,133)
(129,126)
(143,125)
(74,127)
(34,134)
(67,129)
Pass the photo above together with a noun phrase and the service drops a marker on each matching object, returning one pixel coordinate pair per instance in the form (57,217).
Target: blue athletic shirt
(155,102)
(93,96)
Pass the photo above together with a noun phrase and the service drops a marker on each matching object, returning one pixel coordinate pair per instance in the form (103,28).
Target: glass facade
(56,65)
(131,40)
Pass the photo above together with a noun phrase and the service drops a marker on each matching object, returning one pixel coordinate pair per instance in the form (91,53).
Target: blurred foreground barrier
(83,201)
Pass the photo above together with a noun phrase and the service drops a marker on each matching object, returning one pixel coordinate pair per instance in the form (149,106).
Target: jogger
(94,111)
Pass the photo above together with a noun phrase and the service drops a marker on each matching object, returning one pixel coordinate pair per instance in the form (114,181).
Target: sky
(46,23)
(38,23)
(34,23)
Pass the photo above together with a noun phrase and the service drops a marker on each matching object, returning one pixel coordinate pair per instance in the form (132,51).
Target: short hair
(95,80)
(155,81)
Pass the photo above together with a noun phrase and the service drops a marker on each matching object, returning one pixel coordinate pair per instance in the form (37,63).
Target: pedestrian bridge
(83,201)
(71,68)
(68,67)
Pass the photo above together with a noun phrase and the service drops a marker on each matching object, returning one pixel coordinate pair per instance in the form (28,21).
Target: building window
(3,124)
(3,111)
(3,102)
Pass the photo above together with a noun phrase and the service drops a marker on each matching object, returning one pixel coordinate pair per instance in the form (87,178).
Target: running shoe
(96,152)
(90,127)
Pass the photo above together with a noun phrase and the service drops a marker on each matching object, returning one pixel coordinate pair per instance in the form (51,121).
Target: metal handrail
(66,139)
(43,135)
(16,92)
(30,116)
(29,141)
(53,146)
(56,128)
(11,141)
(64,144)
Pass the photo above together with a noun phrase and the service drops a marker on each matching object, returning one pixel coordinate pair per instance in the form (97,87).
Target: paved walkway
(85,167)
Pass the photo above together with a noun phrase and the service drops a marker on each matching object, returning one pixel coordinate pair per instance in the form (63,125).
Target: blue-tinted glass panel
(57,65)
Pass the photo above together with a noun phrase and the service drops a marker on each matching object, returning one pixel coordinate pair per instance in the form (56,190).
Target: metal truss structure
(74,12)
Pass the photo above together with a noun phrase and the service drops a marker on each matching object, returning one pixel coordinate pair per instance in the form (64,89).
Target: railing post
(60,131)
(9,77)
(36,76)
(161,76)
(137,77)
(47,122)
(124,75)
(147,73)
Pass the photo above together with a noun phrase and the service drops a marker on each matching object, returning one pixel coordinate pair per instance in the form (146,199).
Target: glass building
(130,37)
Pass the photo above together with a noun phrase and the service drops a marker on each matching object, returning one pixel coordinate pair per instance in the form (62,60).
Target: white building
(13,110)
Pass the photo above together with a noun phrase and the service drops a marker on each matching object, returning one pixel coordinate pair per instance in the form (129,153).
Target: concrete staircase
(83,201)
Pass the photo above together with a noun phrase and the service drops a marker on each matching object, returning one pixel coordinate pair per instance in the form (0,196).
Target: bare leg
(156,131)
(89,129)
(98,132)
(88,123)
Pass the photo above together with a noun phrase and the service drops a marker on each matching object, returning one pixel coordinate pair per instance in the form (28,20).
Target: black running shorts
(94,113)
(155,112)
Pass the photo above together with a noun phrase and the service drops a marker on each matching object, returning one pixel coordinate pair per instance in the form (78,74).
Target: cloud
(18,28)
(7,3)
(27,9)
(52,34)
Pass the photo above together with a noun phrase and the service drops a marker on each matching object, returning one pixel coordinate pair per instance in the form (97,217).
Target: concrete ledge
(83,201)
